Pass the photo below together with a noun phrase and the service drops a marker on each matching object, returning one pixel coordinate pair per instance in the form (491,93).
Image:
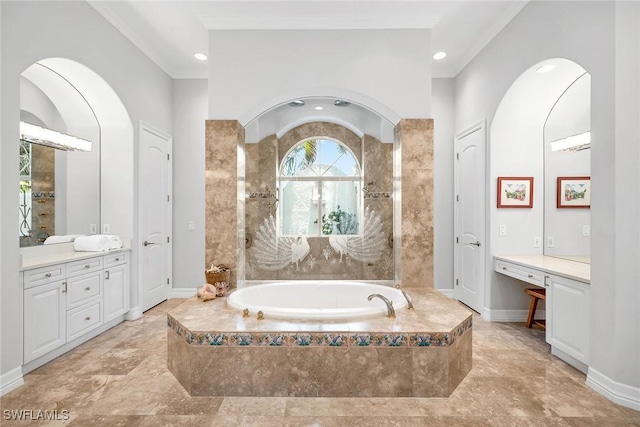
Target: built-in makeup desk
(567,303)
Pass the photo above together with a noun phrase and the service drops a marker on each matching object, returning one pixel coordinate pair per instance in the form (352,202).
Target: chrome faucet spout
(406,296)
(390,311)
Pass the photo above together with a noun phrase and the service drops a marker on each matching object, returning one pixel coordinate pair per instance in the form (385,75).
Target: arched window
(320,181)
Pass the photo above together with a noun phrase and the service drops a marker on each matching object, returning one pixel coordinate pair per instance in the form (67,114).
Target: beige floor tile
(120,378)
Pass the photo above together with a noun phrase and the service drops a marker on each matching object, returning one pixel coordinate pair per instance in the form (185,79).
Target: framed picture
(574,192)
(515,192)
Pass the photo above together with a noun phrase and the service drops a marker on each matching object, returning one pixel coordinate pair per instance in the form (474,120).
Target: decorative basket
(218,276)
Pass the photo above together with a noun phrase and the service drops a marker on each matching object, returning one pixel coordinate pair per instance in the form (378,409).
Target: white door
(470,214)
(154,204)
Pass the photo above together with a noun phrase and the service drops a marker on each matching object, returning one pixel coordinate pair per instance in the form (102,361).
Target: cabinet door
(116,291)
(568,303)
(44,319)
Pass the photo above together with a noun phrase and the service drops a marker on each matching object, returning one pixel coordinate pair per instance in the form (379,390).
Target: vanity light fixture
(341,103)
(439,55)
(545,68)
(581,141)
(296,103)
(319,107)
(200,56)
(51,138)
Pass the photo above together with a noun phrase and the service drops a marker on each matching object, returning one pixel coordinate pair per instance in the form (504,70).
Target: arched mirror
(567,158)
(59,183)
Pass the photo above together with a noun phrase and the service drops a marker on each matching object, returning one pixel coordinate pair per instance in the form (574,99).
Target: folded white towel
(95,243)
(116,241)
(62,239)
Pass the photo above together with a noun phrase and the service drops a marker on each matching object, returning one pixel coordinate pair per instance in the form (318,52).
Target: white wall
(583,32)
(190,101)
(443,121)
(75,31)
(251,68)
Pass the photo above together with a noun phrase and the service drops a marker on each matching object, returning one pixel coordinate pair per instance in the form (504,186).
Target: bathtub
(316,300)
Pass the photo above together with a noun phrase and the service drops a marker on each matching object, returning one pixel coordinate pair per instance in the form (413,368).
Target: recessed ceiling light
(439,55)
(200,56)
(296,103)
(319,107)
(341,103)
(545,68)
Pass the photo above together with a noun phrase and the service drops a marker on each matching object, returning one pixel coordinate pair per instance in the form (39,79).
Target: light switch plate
(537,242)
(551,242)
(503,230)
(93,229)
(586,230)
(106,229)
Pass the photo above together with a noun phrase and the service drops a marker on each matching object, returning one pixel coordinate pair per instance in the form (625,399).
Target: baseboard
(182,292)
(11,380)
(133,313)
(619,393)
(580,366)
(510,315)
(446,292)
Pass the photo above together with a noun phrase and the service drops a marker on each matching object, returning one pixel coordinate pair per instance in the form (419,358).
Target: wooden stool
(536,294)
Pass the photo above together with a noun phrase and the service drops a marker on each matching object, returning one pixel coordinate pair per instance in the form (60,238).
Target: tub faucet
(390,311)
(406,296)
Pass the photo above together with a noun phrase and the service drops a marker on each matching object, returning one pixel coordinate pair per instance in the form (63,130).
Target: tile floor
(120,378)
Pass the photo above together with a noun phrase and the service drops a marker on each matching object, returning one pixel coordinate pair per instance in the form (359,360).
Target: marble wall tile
(460,359)
(223,139)
(417,143)
(430,371)
(179,358)
(416,139)
(237,371)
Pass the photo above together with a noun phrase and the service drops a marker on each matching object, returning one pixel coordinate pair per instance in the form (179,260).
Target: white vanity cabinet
(568,303)
(66,303)
(116,285)
(45,299)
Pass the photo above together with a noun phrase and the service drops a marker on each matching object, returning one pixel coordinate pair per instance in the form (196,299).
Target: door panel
(470,216)
(155,216)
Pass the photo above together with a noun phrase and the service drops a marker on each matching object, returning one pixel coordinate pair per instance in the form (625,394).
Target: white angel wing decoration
(273,253)
(365,248)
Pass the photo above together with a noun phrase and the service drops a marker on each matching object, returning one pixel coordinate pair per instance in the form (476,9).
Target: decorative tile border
(259,195)
(377,195)
(320,339)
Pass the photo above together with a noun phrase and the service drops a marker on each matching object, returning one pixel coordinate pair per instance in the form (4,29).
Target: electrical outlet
(106,229)
(537,242)
(93,229)
(551,242)
(192,225)
(586,230)
(503,230)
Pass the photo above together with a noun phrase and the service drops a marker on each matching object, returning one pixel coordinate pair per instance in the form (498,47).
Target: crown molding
(317,23)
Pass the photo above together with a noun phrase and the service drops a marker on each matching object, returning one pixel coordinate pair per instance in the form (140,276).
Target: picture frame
(574,192)
(515,192)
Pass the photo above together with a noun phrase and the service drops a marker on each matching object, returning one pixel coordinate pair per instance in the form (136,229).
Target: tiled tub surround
(426,352)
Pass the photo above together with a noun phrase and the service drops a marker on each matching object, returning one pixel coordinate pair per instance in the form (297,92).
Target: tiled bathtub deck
(426,352)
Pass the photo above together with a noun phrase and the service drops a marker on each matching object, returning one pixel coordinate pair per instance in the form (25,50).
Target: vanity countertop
(61,254)
(570,269)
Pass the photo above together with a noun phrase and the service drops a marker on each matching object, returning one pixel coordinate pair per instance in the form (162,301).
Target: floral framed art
(515,192)
(574,192)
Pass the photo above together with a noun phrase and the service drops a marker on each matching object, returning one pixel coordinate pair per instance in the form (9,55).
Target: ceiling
(171,32)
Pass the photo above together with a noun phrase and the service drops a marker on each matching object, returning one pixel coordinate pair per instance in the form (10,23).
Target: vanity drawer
(115,259)
(84,266)
(83,319)
(42,275)
(529,275)
(82,288)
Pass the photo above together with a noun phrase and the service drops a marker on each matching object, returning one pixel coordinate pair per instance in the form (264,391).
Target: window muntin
(320,182)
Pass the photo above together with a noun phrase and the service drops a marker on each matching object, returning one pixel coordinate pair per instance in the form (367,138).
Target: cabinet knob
(48,275)
(530,276)
(504,268)
(87,266)
(87,318)
(88,288)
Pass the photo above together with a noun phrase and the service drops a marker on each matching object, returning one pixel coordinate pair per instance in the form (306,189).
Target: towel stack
(67,238)
(97,243)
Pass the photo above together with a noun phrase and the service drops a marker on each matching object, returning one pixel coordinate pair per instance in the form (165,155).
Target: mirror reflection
(59,190)
(567,158)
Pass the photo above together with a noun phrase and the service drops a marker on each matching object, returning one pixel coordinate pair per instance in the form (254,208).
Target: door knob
(475,244)
(148,243)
